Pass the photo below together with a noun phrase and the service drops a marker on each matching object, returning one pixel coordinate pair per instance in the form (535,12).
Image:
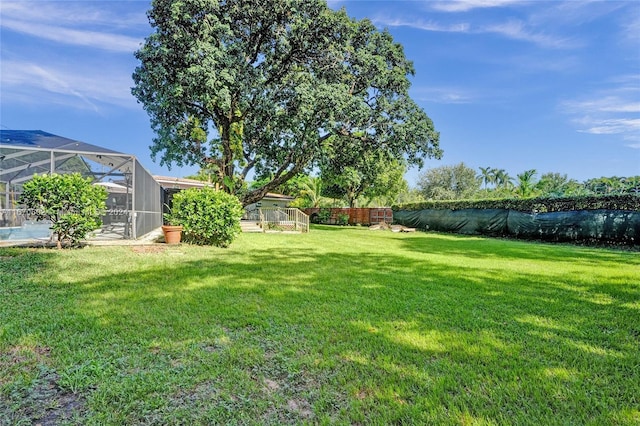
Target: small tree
(69,201)
(208,217)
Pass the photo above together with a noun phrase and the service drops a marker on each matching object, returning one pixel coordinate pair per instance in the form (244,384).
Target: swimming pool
(28,231)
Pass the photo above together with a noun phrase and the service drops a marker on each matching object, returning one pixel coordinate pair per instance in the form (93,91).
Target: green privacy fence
(616,226)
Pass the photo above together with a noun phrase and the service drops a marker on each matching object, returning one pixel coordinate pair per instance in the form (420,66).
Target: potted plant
(172,229)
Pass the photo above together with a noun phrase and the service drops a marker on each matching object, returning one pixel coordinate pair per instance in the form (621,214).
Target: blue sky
(546,85)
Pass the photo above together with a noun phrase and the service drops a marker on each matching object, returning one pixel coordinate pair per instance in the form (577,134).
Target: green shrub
(342,219)
(208,216)
(69,201)
(324,215)
(539,205)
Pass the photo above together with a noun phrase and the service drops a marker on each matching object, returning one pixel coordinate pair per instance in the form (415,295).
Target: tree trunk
(258,194)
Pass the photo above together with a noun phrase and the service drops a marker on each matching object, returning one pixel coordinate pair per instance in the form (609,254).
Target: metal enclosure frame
(134,203)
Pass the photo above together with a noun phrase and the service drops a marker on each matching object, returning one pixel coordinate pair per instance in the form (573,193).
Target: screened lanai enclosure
(134,203)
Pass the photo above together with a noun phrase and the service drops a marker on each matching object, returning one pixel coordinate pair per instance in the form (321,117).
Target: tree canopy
(457,182)
(274,86)
(449,182)
(362,174)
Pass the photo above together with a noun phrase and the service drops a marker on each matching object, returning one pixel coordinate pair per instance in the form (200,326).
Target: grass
(338,326)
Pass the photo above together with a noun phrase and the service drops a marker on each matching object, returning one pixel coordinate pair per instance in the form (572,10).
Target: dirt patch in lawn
(300,407)
(149,249)
(40,401)
(58,405)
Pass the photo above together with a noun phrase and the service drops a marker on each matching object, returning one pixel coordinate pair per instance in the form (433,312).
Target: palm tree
(502,178)
(526,183)
(312,190)
(487,175)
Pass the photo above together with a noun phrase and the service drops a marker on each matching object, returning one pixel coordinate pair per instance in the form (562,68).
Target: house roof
(169,182)
(273,196)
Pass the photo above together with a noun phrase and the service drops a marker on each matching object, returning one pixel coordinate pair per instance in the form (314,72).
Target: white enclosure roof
(26,152)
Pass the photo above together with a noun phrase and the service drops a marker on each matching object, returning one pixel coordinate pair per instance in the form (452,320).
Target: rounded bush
(72,204)
(208,216)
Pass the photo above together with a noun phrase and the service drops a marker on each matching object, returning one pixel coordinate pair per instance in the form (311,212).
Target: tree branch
(202,108)
(250,164)
(258,194)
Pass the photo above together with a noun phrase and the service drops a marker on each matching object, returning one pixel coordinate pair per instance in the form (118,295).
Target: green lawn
(338,326)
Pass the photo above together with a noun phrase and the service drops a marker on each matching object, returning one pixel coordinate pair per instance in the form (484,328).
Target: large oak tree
(274,86)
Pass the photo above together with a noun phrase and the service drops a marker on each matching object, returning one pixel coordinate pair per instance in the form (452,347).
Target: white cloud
(610,104)
(444,95)
(564,14)
(38,70)
(426,25)
(615,111)
(631,30)
(518,30)
(466,5)
(105,41)
(73,23)
(612,126)
(88,88)
(513,29)
(74,13)
(49,81)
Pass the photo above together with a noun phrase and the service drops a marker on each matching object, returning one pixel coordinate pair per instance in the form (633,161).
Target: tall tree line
(463,182)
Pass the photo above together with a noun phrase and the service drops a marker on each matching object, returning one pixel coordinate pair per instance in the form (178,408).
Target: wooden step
(250,226)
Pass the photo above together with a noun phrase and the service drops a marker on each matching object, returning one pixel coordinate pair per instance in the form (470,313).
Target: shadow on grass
(608,269)
(485,247)
(29,388)
(283,335)
(331,228)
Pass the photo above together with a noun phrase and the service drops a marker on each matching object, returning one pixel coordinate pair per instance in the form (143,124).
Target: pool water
(28,231)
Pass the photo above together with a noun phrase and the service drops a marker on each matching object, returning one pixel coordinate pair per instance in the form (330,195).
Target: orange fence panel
(357,216)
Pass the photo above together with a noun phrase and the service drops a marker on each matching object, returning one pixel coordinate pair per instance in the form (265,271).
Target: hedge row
(612,227)
(534,205)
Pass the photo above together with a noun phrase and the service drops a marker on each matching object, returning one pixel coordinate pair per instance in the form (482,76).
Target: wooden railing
(283,219)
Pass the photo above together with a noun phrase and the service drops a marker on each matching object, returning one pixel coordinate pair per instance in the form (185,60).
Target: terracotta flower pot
(172,233)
